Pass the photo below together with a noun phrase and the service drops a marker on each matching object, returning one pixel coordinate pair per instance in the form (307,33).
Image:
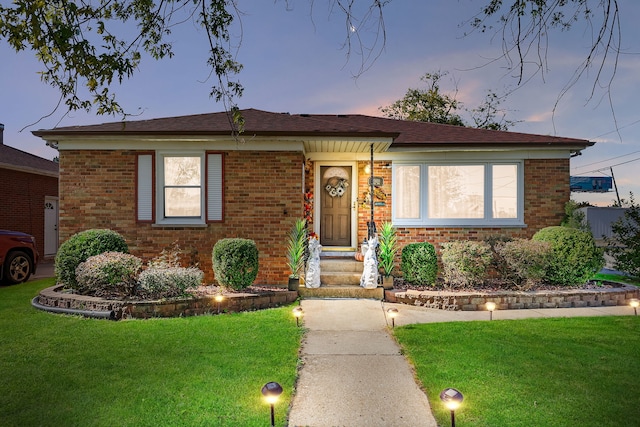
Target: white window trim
(487,221)
(160,218)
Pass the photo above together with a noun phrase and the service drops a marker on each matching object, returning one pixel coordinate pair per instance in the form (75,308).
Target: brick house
(29,194)
(187,179)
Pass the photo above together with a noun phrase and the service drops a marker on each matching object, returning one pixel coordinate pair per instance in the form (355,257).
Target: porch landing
(340,278)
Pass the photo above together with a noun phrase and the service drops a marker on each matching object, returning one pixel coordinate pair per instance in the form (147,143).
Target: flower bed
(202,303)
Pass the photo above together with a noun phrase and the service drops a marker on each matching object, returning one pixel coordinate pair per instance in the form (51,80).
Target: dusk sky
(293,62)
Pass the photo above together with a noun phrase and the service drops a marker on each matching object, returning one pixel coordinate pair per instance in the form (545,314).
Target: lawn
(58,370)
(537,372)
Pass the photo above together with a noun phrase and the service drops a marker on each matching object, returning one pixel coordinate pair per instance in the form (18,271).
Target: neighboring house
(187,179)
(29,194)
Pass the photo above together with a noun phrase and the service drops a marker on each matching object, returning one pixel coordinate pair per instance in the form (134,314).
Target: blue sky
(294,63)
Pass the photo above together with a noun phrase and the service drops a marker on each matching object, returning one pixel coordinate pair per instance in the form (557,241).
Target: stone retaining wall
(233,302)
(514,300)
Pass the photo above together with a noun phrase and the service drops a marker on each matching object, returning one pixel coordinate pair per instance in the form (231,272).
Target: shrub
(419,263)
(527,260)
(575,257)
(235,262)
(111,274)
(624,245)
(167,282)
(498,263)
(79,247)
(465,262)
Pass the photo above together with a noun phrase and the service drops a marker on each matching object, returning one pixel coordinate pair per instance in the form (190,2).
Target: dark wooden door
(335,208)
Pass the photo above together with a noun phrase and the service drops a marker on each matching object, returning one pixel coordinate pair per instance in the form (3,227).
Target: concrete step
(341,292)
(340,271)
(339,278)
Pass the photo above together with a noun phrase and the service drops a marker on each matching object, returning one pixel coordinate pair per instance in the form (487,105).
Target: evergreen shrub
(465,262)
(235,262)
(419,264)
(527,261)
(79,247)
(575,257)
(110,274)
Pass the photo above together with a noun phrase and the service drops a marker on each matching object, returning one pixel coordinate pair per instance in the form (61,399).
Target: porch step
(341,292)
(340,271)
(340,278)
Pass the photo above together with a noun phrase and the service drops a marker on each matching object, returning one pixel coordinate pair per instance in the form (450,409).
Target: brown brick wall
(263,197)
(22,206)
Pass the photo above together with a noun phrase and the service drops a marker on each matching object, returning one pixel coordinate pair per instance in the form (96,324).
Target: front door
(335,199)
(50,226)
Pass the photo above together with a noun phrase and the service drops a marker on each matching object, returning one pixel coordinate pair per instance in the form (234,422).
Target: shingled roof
(263,123)
(12,158)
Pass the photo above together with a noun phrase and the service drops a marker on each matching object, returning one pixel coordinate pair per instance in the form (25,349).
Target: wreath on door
(336,186)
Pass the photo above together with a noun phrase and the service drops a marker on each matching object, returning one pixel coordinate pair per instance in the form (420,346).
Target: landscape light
(297,313)
(271,392)
(393,313)
(452,399)
(491,306)
(219,299)
(634,303)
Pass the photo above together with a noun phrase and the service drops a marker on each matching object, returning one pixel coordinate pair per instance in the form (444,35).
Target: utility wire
(608,167)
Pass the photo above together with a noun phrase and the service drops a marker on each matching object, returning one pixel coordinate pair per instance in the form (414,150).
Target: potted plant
(295,252)
(388,247)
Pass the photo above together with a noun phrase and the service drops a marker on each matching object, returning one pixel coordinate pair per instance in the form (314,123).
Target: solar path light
(271,392)
(393,313)
(634,303)
(219,299)
(452,399)
(491,306)
(297,313)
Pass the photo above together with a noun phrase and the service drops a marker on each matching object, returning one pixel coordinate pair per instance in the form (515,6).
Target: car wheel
(17,267)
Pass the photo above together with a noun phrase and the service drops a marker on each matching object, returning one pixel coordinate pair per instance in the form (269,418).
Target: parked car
(18,256)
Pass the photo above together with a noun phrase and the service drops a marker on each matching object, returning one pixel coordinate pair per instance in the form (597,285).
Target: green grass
(60,370)
(537,372)
(616,278)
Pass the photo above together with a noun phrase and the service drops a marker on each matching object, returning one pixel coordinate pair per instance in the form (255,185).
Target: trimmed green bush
(167,282)
(235,262)
(111,274)
(624,244)
(419,263)
(527,261)
(575,257)
(79,247)
(465,262)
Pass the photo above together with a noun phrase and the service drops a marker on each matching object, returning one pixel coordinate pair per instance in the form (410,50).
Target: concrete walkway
(353,373)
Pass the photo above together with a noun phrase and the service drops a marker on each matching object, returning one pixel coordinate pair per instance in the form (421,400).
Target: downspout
(86,313)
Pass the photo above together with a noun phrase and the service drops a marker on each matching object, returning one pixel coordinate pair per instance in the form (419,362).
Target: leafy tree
(86,46)
(624,245)
(435,106)
(427,105)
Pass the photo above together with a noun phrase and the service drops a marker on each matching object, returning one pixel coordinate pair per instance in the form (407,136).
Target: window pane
(505,191)
(182,202)
(407,197)
(182,171)
(456,191)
